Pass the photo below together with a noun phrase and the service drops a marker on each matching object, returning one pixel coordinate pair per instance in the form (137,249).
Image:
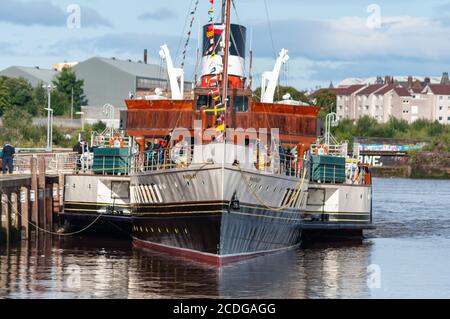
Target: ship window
(204,101)
(241,103)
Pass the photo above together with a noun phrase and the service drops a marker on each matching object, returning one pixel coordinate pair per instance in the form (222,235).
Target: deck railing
(178,158)
(55,163)
(287,165)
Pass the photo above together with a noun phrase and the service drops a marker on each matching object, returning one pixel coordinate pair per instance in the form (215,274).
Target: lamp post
(81,136)
(49,110)
(71,108)
(82,120)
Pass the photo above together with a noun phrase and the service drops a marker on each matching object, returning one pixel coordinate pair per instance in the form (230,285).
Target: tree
(365,125)
(61,103)
(16,119)
(65,83)
(326,100)
(4,97)
(40,100)
(281,91)
(19,94)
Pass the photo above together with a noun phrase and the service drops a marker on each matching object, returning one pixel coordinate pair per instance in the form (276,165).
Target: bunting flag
(216,29)
(215,91)
(213,82)
(216,110)
(189,33)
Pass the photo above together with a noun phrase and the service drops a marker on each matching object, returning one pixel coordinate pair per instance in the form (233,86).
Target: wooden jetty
(30,203)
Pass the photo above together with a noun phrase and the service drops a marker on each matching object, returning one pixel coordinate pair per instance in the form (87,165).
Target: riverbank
(422,165)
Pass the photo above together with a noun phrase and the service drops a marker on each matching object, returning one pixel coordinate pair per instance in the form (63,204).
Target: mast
(226,54)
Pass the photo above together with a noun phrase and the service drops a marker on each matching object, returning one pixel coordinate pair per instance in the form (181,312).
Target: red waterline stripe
(210,259)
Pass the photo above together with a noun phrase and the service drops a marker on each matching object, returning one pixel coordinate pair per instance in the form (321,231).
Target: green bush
(437,135)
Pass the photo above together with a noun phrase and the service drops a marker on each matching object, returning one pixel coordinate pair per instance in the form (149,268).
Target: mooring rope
(16,210)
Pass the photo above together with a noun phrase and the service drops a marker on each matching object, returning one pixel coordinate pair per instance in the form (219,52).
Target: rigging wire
(184,28)
(189,34)
(269,24)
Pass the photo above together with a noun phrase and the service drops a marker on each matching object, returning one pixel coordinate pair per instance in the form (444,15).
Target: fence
(55,163)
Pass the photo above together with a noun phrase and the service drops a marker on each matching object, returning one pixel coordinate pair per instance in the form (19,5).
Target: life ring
(116,142)
(322,150)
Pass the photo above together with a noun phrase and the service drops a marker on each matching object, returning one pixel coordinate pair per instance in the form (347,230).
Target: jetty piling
(42,220)
(25,213)
(14,217)
(30,203)
(5,218)
(33,195)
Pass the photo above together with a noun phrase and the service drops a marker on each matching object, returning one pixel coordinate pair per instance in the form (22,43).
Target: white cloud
(158,15)
(350,38)
(29,13)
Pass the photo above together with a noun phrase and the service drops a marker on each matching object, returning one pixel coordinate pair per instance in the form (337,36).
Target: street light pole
(82,120)
(71,108)
(49,109)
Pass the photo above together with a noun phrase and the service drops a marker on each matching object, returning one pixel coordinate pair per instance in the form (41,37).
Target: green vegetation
(281,91)
(20,102)
(19,130)
(326,99)
(438,135)
(19,94)
(65,83)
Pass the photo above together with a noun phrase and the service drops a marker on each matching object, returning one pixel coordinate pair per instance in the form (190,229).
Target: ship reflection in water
(410,248)
(92,268)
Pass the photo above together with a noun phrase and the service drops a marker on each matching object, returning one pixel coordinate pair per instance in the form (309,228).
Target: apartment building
(408,100)
(367,102)
(439,96)
(421,105)
(345,101)
(380,101)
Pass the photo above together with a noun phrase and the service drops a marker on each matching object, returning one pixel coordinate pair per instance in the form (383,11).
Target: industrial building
(35,75)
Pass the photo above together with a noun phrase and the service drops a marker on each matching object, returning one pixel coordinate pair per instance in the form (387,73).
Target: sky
(327,40)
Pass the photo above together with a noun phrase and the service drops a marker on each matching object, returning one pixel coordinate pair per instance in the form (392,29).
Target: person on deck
(7,158)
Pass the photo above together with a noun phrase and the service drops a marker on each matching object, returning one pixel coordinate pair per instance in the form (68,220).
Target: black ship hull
(214,232)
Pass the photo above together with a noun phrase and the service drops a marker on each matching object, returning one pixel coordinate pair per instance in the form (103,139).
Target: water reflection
(410,246)
(93,268)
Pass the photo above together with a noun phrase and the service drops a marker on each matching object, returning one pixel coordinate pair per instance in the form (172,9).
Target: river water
(408,256)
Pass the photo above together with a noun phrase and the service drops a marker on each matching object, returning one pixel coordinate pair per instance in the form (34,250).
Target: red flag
(215,91)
